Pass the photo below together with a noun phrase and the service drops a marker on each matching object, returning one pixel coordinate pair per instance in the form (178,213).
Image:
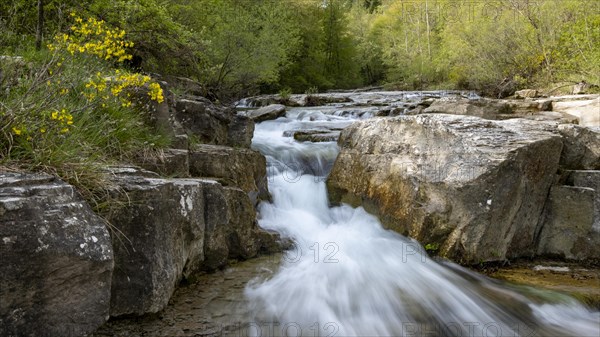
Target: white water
(347,276)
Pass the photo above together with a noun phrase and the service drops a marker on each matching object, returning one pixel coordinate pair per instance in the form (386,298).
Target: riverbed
(345,274)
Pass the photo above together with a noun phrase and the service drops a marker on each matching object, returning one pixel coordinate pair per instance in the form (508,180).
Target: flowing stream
(347,276)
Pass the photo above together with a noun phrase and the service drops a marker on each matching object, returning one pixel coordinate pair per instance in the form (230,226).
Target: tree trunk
(428,30)
(40,25)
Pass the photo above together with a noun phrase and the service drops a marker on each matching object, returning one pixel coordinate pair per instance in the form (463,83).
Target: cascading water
(347,276)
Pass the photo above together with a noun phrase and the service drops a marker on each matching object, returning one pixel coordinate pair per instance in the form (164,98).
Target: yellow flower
(17,131)
(54,114)
(43,130)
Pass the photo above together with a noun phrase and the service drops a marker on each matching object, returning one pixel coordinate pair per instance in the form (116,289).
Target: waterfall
(348,276)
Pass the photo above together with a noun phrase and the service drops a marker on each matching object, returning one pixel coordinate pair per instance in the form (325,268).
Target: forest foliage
(242,47)
(76,76)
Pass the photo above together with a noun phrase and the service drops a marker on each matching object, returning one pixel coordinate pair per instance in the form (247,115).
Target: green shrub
(285,93)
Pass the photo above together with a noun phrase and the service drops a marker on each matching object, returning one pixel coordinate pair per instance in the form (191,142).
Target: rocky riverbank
(214,304)
(66,270)
(473,179)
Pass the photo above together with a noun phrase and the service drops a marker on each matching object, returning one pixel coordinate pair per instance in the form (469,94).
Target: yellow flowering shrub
(43,124)
(103,87)
(74,102)
(70,111)
(93,37)
(116,86)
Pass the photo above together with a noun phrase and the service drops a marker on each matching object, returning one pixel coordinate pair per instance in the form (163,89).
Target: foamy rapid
(347,276)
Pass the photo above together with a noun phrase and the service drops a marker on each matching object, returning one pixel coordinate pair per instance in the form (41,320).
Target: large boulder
(239,167)
(476,188)
(272,111)
(167,230)
(158,239)
(57,259)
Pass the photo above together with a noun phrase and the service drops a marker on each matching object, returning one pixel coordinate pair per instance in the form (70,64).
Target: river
(346,275)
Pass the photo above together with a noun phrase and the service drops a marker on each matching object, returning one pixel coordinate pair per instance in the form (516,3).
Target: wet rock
(170,229)
(212,305)
(577,280)
(444,179)
(242,230)
(568,230)
(243,168)
(57,259)
(272,111)
(316,137)
(318,115)
(216,216)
